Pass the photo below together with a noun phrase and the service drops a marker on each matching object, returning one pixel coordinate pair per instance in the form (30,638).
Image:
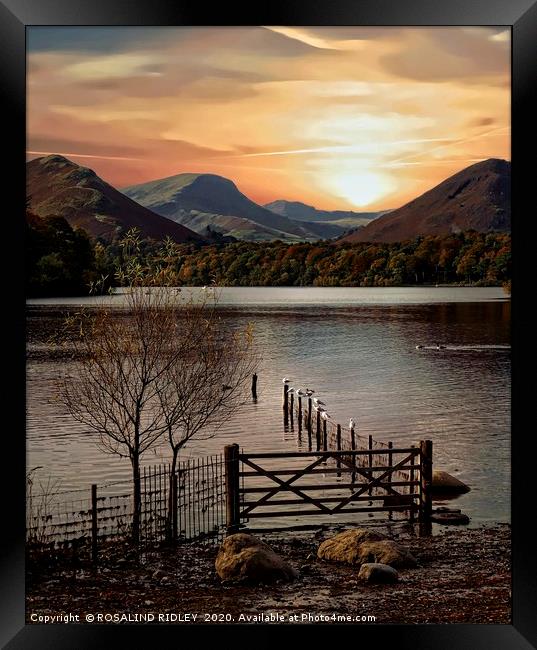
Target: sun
(360,188)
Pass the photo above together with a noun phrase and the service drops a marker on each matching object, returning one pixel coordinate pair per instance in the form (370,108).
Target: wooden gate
(366,480)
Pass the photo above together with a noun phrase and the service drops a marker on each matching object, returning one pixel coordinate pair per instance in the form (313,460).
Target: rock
(345,547)
(361,546)
(243,557)
(445,483)
(386,552)
(455,518)
(376,572)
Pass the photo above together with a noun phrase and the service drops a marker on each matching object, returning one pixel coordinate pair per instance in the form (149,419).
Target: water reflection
(362,361)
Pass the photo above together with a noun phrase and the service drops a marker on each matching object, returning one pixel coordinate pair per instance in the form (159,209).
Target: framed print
(263,321)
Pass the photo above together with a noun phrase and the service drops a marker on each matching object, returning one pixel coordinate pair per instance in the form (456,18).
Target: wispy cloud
(350,149)
(79,155)
(333,116)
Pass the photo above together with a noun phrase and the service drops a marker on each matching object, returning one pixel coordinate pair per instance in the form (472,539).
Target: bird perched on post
(285,380)
(290,389)
(318,402)
(309,392)
(300,393)
(325,415)
(352,423)
(319,409)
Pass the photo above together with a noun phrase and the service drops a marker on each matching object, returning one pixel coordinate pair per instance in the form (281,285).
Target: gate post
(174,506)
(231,458)
(94,524)
(426,478)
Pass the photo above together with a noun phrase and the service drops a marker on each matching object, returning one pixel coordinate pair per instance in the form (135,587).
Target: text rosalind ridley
(269,617)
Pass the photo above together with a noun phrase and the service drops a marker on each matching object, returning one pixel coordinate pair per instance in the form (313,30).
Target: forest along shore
(463,576)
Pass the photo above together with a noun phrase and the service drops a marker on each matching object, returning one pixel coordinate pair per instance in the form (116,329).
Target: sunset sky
(340,118)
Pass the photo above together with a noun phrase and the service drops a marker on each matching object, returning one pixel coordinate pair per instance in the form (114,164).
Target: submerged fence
(368,456)
(184,506)
(206,497)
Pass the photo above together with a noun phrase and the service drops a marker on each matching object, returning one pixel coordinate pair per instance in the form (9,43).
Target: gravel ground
(463,576)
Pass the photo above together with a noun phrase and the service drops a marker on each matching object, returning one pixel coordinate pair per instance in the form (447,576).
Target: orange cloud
(335,117)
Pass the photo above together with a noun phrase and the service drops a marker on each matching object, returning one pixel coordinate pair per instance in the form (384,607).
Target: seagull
(285,380)
(290,389)
(300,393)
(324,415)
(318,402)
(309,392)
(419,347)
(352,423)
(320,409)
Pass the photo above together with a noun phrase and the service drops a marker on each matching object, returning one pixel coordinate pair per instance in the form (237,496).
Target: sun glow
(359,188)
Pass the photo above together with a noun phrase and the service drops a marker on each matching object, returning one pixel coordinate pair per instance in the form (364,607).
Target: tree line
(63,261)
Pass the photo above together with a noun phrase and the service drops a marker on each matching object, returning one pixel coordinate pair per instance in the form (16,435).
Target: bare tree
(161,364)
(208,382)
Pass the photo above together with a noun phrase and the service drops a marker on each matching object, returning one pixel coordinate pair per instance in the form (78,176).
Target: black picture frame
(521,15)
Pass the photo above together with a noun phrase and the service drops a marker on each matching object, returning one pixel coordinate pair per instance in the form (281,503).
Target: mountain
(344,219)
(201,200)
(476,198)
(55,186)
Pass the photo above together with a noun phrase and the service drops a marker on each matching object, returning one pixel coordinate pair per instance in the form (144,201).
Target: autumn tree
(141,370)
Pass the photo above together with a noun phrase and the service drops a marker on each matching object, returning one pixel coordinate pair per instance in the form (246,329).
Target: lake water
(357,348)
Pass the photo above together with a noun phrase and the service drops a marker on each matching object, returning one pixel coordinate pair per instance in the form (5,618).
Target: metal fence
(189,507)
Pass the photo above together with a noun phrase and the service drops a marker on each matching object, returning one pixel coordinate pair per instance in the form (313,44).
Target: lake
(357,348)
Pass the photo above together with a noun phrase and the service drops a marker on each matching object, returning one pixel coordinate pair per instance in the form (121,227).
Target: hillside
(56,186)
(476,198)
(345,219)
(201,200)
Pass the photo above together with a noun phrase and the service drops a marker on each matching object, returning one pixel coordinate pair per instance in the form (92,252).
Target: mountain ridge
(474,198)
(56,186)
(188,196)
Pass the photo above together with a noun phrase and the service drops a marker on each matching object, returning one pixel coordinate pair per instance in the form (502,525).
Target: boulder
(445,483)
(345,547)
(376,572)
(386,552)
(362,546)
(243,557)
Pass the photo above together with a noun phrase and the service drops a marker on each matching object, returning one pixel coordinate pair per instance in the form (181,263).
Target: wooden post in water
(94,527)
(231,458)
(318,430)
(285,399)
(254,385)
(325,437)
(174,506)
(292,407)
(299,413)
(370,447)
(308,423)
(338,447)
(426,471)
(353,447)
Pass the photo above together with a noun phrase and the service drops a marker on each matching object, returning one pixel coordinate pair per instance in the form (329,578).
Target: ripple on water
(363,362)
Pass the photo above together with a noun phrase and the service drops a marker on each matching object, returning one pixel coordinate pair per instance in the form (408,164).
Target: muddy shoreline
(463,576)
